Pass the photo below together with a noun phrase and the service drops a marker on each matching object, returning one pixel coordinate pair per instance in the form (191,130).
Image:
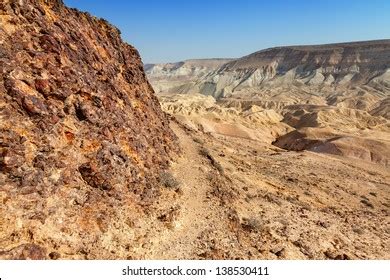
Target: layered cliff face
(82,139)
(170,77)
(335,65)
(345,64)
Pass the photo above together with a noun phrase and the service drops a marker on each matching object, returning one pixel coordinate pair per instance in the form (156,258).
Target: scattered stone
(367,203)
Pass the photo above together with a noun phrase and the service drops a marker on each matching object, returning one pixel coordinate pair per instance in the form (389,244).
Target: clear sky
(174,30)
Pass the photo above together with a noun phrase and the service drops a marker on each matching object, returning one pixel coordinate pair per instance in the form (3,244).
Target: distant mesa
(339,65)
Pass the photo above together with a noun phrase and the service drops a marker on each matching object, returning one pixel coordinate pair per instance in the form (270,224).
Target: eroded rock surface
(82,139)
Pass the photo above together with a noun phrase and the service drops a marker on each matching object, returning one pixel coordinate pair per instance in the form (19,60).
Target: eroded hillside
(317,68)
(83,138)
(181,76)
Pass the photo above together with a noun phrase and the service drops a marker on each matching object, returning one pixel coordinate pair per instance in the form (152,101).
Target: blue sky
(174,30)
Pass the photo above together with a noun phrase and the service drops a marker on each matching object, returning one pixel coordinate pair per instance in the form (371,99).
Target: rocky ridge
(82,140)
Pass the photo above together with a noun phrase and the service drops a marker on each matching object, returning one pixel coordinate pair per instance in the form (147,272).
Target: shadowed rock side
(82,138)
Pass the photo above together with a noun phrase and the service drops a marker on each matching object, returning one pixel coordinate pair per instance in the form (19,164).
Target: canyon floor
(234,197)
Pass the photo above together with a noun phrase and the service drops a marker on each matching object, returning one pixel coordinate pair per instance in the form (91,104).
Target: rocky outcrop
(82,139)
(334,65)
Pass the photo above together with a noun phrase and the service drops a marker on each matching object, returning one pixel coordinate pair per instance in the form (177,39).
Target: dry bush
(221,188)
(206,153)
(198,140)
(168,180)
(251,224)
(203,151)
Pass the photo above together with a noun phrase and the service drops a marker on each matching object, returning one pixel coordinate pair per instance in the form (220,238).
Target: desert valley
(280,154)
(299,146)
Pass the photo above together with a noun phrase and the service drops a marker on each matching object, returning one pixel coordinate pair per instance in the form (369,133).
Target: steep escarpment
(82,139)
(342,65)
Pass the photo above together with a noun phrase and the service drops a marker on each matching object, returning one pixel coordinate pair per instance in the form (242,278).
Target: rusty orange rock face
(80,128)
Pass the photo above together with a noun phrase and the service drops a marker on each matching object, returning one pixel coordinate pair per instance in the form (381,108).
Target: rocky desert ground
(240,196)
(290,146)
(282,154)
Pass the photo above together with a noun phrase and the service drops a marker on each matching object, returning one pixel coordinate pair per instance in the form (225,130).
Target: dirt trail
(266,204)
(196,210)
